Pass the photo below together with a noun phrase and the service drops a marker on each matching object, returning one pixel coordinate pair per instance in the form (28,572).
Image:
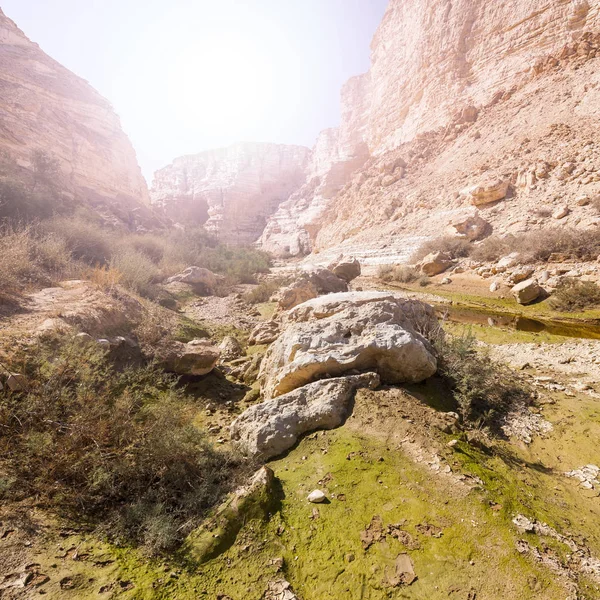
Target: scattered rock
(495,286)
(230,348)
(327,282)
(446,281)
(527,291)
(521,274)
(264,333)
(343,335)
(589,476)
(16,382)
(486,192)
(196,276)
(280,590)
(471,226)
(269,429)
(347,269)
(561,212)
(317,497)
(435,263)
(198,357)
(298,292)
(403,574)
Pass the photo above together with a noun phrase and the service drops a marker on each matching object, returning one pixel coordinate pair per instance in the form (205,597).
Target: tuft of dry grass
(454,247)
(574,295)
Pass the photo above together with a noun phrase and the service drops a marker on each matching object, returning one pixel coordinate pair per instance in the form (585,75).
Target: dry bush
(538,246)
(85,239)
(574,295)
(484,390)
(118,448)
(138,272)
(106,278)
(263,291)
(455,247)
(150,245)
(399,273)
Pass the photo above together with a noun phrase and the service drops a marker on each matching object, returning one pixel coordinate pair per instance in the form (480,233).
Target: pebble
(317,497)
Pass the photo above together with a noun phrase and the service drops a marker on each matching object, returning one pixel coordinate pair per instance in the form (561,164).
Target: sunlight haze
(190,76)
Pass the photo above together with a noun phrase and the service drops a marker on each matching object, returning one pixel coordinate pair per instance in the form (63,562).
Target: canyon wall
(458,92)
(45,106)
(231,191)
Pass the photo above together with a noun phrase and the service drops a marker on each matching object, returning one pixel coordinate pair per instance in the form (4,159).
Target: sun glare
(221,84)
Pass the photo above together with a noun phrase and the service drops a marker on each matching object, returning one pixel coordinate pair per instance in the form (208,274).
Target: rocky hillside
(43,106)
(232,191)
(461,95)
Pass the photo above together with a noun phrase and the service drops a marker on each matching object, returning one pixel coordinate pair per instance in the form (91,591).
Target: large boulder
(527,291)
(230,348)
(196,276)
(326,281)
(298,292)
(267,430)
(487,192)
(334,335)
(435,263)
(346,268)
(198,357)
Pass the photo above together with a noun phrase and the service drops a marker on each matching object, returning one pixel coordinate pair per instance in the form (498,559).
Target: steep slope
(231,191)
(458,94)
(45,106)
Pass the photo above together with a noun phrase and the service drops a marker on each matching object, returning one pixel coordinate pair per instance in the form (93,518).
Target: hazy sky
(189,75)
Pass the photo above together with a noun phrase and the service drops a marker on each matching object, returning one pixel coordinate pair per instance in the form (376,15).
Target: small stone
(452,443)
(16,382)
(317,497)
(561,212)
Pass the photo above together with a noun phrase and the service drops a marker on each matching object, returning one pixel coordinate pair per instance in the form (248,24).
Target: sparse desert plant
(424,281)
(493,248)
(574,295)
(454,247)
(484,390)
(138,272)
(151,246)
(399,273)
(106,278)
(263,291)
(118,448)
(85,240)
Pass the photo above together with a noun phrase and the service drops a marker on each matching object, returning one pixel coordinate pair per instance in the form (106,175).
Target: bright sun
(221,83)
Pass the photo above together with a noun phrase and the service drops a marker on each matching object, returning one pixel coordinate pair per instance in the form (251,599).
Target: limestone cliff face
(337,154)
(45,106)
(430,59)
(231,191)
(458,91)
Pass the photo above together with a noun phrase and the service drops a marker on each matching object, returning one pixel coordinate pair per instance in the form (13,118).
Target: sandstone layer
(43,106)
(231,191)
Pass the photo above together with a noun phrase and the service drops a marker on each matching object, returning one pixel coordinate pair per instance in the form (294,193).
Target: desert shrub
(85,239)
(455,247)
(264,290)
(151,246)
(106,278)
(574,295)
(424,281)
(484,390)
(538,246)
(399,273)
(51,253)
(106,446)
(138,272)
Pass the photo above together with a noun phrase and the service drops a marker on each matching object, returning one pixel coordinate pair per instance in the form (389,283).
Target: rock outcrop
(500,100)
(43,106)
(268,429)
(231,191)
(343,333)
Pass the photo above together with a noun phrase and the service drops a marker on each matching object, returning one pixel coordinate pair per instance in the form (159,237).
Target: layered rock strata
(43,106)
(231,191)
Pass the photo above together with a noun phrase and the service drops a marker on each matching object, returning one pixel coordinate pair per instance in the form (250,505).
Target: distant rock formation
(45,106)
(231,191)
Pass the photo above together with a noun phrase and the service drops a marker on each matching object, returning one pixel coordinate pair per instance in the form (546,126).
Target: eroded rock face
(45,106)
(268,429)
(232,191)
(297,293)
(334,335)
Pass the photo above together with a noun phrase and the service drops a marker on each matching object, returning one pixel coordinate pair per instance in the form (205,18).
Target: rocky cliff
(45,106)
(231,191)
(459,94)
